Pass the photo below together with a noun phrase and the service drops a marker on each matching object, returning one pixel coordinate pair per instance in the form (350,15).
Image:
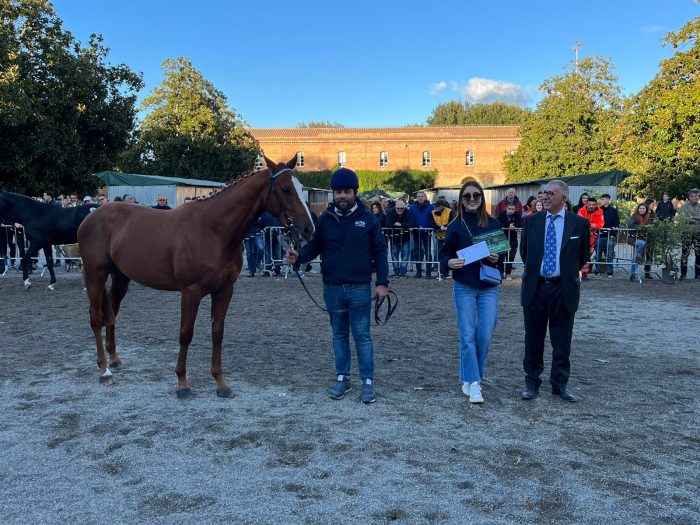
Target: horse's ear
(271,165)
(291,163)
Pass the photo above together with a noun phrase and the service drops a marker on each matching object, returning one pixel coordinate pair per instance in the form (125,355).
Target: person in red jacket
(595,217)
(511,198)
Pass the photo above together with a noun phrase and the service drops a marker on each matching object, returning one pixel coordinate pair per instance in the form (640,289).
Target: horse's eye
(287,190)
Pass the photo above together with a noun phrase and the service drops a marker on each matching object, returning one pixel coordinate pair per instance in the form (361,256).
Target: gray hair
(563,186)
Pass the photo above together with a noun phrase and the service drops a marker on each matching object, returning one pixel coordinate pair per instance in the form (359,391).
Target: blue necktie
(550,248)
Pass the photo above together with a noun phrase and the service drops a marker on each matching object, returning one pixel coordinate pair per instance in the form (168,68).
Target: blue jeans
(254,249)
(639,249)
(477,313)
(605,245)
(349,307)
(400,252)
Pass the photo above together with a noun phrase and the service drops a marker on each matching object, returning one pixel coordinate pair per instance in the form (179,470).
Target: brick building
(457,153)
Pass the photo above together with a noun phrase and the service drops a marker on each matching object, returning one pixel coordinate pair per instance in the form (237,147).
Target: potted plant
(664,242)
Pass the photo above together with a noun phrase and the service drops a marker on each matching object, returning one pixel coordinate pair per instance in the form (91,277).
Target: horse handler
(351,244)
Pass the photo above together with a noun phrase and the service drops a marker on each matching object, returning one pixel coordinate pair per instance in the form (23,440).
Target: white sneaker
(475,393)
(465,389)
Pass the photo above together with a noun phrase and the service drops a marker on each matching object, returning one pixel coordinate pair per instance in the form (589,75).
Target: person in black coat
(554,247)
(400,220)
(665,209)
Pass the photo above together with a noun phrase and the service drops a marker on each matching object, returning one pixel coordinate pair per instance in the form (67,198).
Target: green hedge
(405,180)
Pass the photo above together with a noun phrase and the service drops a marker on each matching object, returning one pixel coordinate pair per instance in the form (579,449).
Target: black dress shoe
(529,393)
(565,395)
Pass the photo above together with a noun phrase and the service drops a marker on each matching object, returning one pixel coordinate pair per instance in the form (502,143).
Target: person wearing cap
(87,199)
(351,245)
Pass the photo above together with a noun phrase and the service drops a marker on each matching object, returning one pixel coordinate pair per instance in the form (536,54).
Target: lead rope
(377,303)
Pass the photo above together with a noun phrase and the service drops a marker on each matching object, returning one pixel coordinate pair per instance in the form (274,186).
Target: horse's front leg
(189,305)
(219,306)
(48,253)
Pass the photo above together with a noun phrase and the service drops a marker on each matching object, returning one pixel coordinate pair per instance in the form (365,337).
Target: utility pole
(576,48)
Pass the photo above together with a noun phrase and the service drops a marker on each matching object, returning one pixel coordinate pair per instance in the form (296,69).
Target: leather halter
(289,222)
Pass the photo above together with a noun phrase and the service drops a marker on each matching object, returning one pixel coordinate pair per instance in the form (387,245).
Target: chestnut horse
(194,248)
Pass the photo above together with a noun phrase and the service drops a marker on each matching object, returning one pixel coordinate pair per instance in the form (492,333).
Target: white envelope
(475,252)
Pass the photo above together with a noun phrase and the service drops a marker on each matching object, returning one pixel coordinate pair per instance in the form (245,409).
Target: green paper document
(495,240)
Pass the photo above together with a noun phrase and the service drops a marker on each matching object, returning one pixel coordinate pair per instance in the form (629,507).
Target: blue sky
(377,63)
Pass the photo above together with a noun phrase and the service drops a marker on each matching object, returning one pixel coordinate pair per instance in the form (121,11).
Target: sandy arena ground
(73,451)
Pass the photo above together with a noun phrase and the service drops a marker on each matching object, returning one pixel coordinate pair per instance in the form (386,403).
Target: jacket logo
(360,224)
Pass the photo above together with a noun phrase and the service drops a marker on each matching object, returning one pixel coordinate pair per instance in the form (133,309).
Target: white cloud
(652,29)
(486,90)
(437,87)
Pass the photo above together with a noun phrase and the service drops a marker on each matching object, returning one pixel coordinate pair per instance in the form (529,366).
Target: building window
(383,159)
(300,159)
(470,158)
(426,158)
(259,162)
(341,159)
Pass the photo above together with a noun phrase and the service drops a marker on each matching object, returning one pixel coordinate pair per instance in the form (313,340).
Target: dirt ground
(281,451)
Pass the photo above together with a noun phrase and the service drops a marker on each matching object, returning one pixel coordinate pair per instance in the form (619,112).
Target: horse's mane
(24,199)
(243,177)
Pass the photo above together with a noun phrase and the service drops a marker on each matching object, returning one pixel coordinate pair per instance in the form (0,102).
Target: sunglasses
(469,196)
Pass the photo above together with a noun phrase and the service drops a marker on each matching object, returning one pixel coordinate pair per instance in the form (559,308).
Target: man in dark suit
(554,248)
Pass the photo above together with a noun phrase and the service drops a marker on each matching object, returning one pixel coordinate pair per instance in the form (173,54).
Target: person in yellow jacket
(442,216)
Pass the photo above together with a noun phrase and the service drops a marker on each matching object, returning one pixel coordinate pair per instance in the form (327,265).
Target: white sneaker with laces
(475,393)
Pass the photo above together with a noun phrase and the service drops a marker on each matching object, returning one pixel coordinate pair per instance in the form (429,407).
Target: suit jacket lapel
(539,233)
(569,224)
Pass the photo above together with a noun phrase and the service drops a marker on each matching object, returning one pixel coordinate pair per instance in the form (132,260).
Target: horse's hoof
(226,392)
(106,380)
(115,364)
(184,393)
(51,287)
(27,284)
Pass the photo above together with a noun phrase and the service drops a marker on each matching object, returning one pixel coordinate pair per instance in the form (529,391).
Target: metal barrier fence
(411,249)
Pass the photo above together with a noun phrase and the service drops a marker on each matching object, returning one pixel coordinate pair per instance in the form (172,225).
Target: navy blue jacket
(351,247)
(423,215)
(457,238)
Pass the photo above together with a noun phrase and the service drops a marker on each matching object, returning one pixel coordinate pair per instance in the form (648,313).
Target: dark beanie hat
(344,178)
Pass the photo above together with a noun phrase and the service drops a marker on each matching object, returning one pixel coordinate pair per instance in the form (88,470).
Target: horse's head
(286,200)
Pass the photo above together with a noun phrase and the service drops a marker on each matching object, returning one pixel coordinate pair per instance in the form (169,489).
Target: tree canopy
(661,128)
(457,113)
(572,130)
(189,130)
(64,112)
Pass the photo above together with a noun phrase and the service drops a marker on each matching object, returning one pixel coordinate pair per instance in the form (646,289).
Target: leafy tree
(456,113)
(320,124)
(662,126)
(64,112)
(189,131)
(572,130)
(405,180)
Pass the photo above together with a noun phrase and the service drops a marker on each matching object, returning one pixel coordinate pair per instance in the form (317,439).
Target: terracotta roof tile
(487,132)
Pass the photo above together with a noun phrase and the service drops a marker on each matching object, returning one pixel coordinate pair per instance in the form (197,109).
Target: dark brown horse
(194,248)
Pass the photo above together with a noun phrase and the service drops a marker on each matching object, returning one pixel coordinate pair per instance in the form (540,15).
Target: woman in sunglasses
(476,300)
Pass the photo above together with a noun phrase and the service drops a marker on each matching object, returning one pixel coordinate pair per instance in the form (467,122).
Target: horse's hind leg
(189,304)
(100,313)
(29,254)
(120,285)
(219,306)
